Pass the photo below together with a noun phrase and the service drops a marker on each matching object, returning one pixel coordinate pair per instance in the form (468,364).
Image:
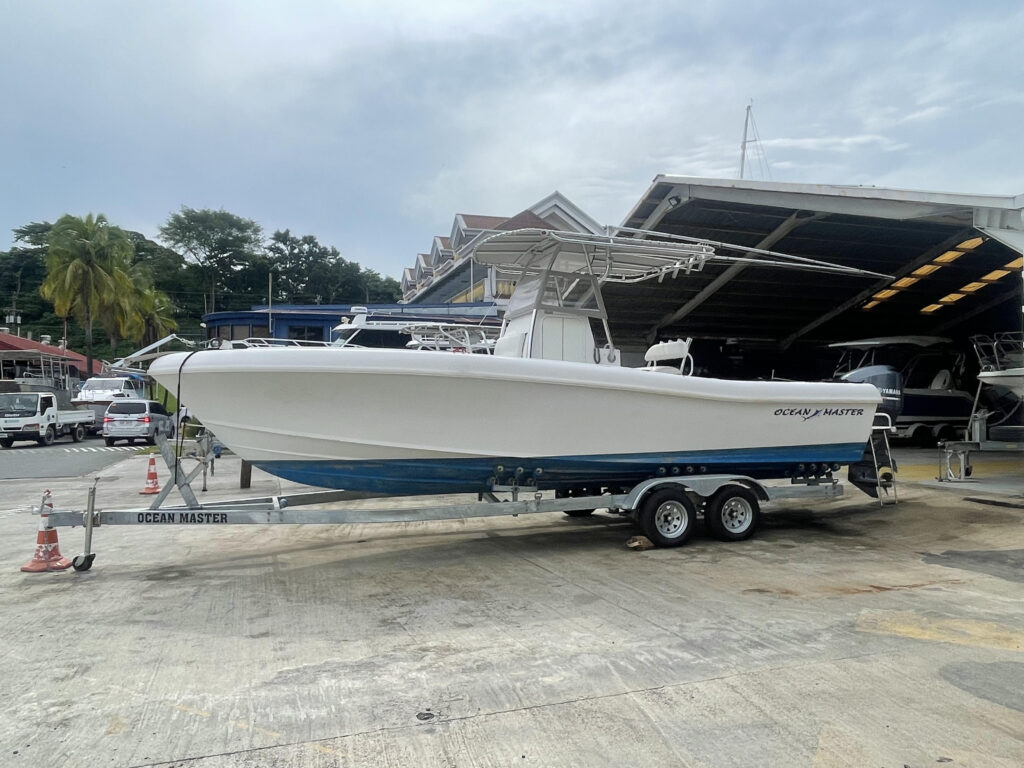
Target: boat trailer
(666,507)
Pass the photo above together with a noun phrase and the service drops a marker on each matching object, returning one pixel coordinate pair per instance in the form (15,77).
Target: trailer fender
(703,486)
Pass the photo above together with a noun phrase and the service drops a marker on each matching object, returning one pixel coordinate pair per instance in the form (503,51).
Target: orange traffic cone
(152,483)
(47,556)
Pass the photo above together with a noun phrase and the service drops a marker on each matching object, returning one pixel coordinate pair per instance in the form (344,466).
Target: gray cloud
(369,124)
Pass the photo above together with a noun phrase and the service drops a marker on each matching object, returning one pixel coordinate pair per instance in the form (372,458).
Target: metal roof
(889,231)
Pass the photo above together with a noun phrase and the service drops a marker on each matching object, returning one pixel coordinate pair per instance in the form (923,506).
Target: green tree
(181,283)
(308,272)
(380,289)
(221,243)
(34,234)
(22,270)
(153,316)
(296,262)
(82,261)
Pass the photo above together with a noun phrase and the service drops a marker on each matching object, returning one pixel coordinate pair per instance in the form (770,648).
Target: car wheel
(109,441)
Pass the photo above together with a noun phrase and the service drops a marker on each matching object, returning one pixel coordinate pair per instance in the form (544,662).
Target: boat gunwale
(655,383)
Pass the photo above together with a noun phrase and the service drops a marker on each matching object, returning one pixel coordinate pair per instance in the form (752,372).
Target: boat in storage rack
(551,408)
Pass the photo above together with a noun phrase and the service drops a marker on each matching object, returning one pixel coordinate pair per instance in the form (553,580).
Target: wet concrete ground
(844,634)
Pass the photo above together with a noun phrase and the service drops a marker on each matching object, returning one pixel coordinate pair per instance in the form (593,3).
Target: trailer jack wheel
(83,562)
(667,517)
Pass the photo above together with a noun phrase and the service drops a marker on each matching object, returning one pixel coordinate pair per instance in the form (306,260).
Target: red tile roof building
(9,341)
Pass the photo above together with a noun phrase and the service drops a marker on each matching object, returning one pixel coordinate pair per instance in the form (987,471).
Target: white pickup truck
(34,416)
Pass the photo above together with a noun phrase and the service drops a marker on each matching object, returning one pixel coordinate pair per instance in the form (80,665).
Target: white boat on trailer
(550,409)
(654,444)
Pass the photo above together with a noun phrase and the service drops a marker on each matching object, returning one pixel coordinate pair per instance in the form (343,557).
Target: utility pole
(11,316)
(270,306)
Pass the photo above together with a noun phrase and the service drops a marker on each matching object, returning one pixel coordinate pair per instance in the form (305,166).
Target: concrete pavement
(844,634)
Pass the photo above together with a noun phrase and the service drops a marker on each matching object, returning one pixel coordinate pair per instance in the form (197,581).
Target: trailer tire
(667,516)
(733,513)
(7,442)
(78,433)
(923,437)
(48,436)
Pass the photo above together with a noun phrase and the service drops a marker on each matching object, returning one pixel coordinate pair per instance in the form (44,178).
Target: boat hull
(1011,378)
(428,422)
(935,407)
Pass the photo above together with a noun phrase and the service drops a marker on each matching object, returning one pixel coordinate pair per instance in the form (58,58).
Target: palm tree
(154,316)
(82,260)
(121,316)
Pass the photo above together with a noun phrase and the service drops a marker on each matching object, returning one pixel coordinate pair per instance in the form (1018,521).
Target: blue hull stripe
(431,476)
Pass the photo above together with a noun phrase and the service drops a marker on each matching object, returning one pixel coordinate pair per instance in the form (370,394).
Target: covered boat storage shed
(954,260)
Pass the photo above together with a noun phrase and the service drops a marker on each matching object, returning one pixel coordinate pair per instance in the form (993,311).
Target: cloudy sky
(370,123)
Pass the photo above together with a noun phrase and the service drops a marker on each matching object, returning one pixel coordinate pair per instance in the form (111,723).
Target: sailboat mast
(743,144)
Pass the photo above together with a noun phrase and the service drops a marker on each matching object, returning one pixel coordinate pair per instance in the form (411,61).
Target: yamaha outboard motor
(877,465)
(887,380)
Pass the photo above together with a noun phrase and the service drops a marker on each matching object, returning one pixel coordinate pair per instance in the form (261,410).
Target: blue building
(302,322)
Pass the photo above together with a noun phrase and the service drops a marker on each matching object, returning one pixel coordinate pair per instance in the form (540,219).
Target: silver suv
(130,419)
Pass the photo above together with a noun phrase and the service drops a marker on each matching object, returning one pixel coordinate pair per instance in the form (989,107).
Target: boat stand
(955,461)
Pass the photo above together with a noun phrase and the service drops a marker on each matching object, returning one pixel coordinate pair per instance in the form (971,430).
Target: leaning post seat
(669,350)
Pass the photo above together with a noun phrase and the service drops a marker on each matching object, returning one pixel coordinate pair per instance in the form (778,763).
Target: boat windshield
(18,403)
(555,292)
(344,336)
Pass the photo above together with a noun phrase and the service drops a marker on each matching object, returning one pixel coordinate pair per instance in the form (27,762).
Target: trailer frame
(666,507)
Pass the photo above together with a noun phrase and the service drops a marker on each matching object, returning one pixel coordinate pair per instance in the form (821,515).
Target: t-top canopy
(607,257)
(891,341)
(615,258)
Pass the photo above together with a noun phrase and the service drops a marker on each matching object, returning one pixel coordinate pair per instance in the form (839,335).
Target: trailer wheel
(667,517)
(83,562)
(48,436)
(733,513)
(78,433)
(923,437)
